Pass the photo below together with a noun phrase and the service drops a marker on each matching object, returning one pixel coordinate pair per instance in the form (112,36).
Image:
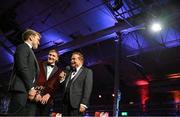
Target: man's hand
(58,115)
(45,98)
(38,98)
(82,109)
(31,94)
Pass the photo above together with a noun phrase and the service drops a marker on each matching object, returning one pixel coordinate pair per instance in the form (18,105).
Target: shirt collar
(78,68)
(28,44)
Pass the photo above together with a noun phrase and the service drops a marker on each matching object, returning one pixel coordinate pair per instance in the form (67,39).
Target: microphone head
(68,68)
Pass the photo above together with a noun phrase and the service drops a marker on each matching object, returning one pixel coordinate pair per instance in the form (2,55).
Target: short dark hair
(29,32)
(81,56)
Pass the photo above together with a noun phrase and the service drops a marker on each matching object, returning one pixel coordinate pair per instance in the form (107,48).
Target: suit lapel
(53,71)
(45,68)
(37,66)
(76,76)
(68,79)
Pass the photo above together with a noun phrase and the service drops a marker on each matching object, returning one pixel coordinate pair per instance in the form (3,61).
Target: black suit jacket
(81,87)
(25,70)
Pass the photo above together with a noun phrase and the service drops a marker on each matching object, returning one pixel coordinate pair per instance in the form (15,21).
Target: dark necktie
(73,69)
(50,65)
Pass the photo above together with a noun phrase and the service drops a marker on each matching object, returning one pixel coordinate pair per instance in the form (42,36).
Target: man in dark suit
(47,83)
(24,76)
(78,87)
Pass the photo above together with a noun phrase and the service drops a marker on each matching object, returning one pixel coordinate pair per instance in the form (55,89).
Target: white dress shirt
(28,44)
(75,72)
(49,70)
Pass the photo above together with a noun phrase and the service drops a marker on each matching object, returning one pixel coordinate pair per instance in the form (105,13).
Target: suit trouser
(68,110)
(43,110)
(20,106)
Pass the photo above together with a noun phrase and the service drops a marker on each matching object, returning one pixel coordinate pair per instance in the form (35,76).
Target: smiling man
(78,87)
(47,83)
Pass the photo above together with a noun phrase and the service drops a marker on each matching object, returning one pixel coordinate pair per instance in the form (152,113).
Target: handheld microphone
(68,69)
